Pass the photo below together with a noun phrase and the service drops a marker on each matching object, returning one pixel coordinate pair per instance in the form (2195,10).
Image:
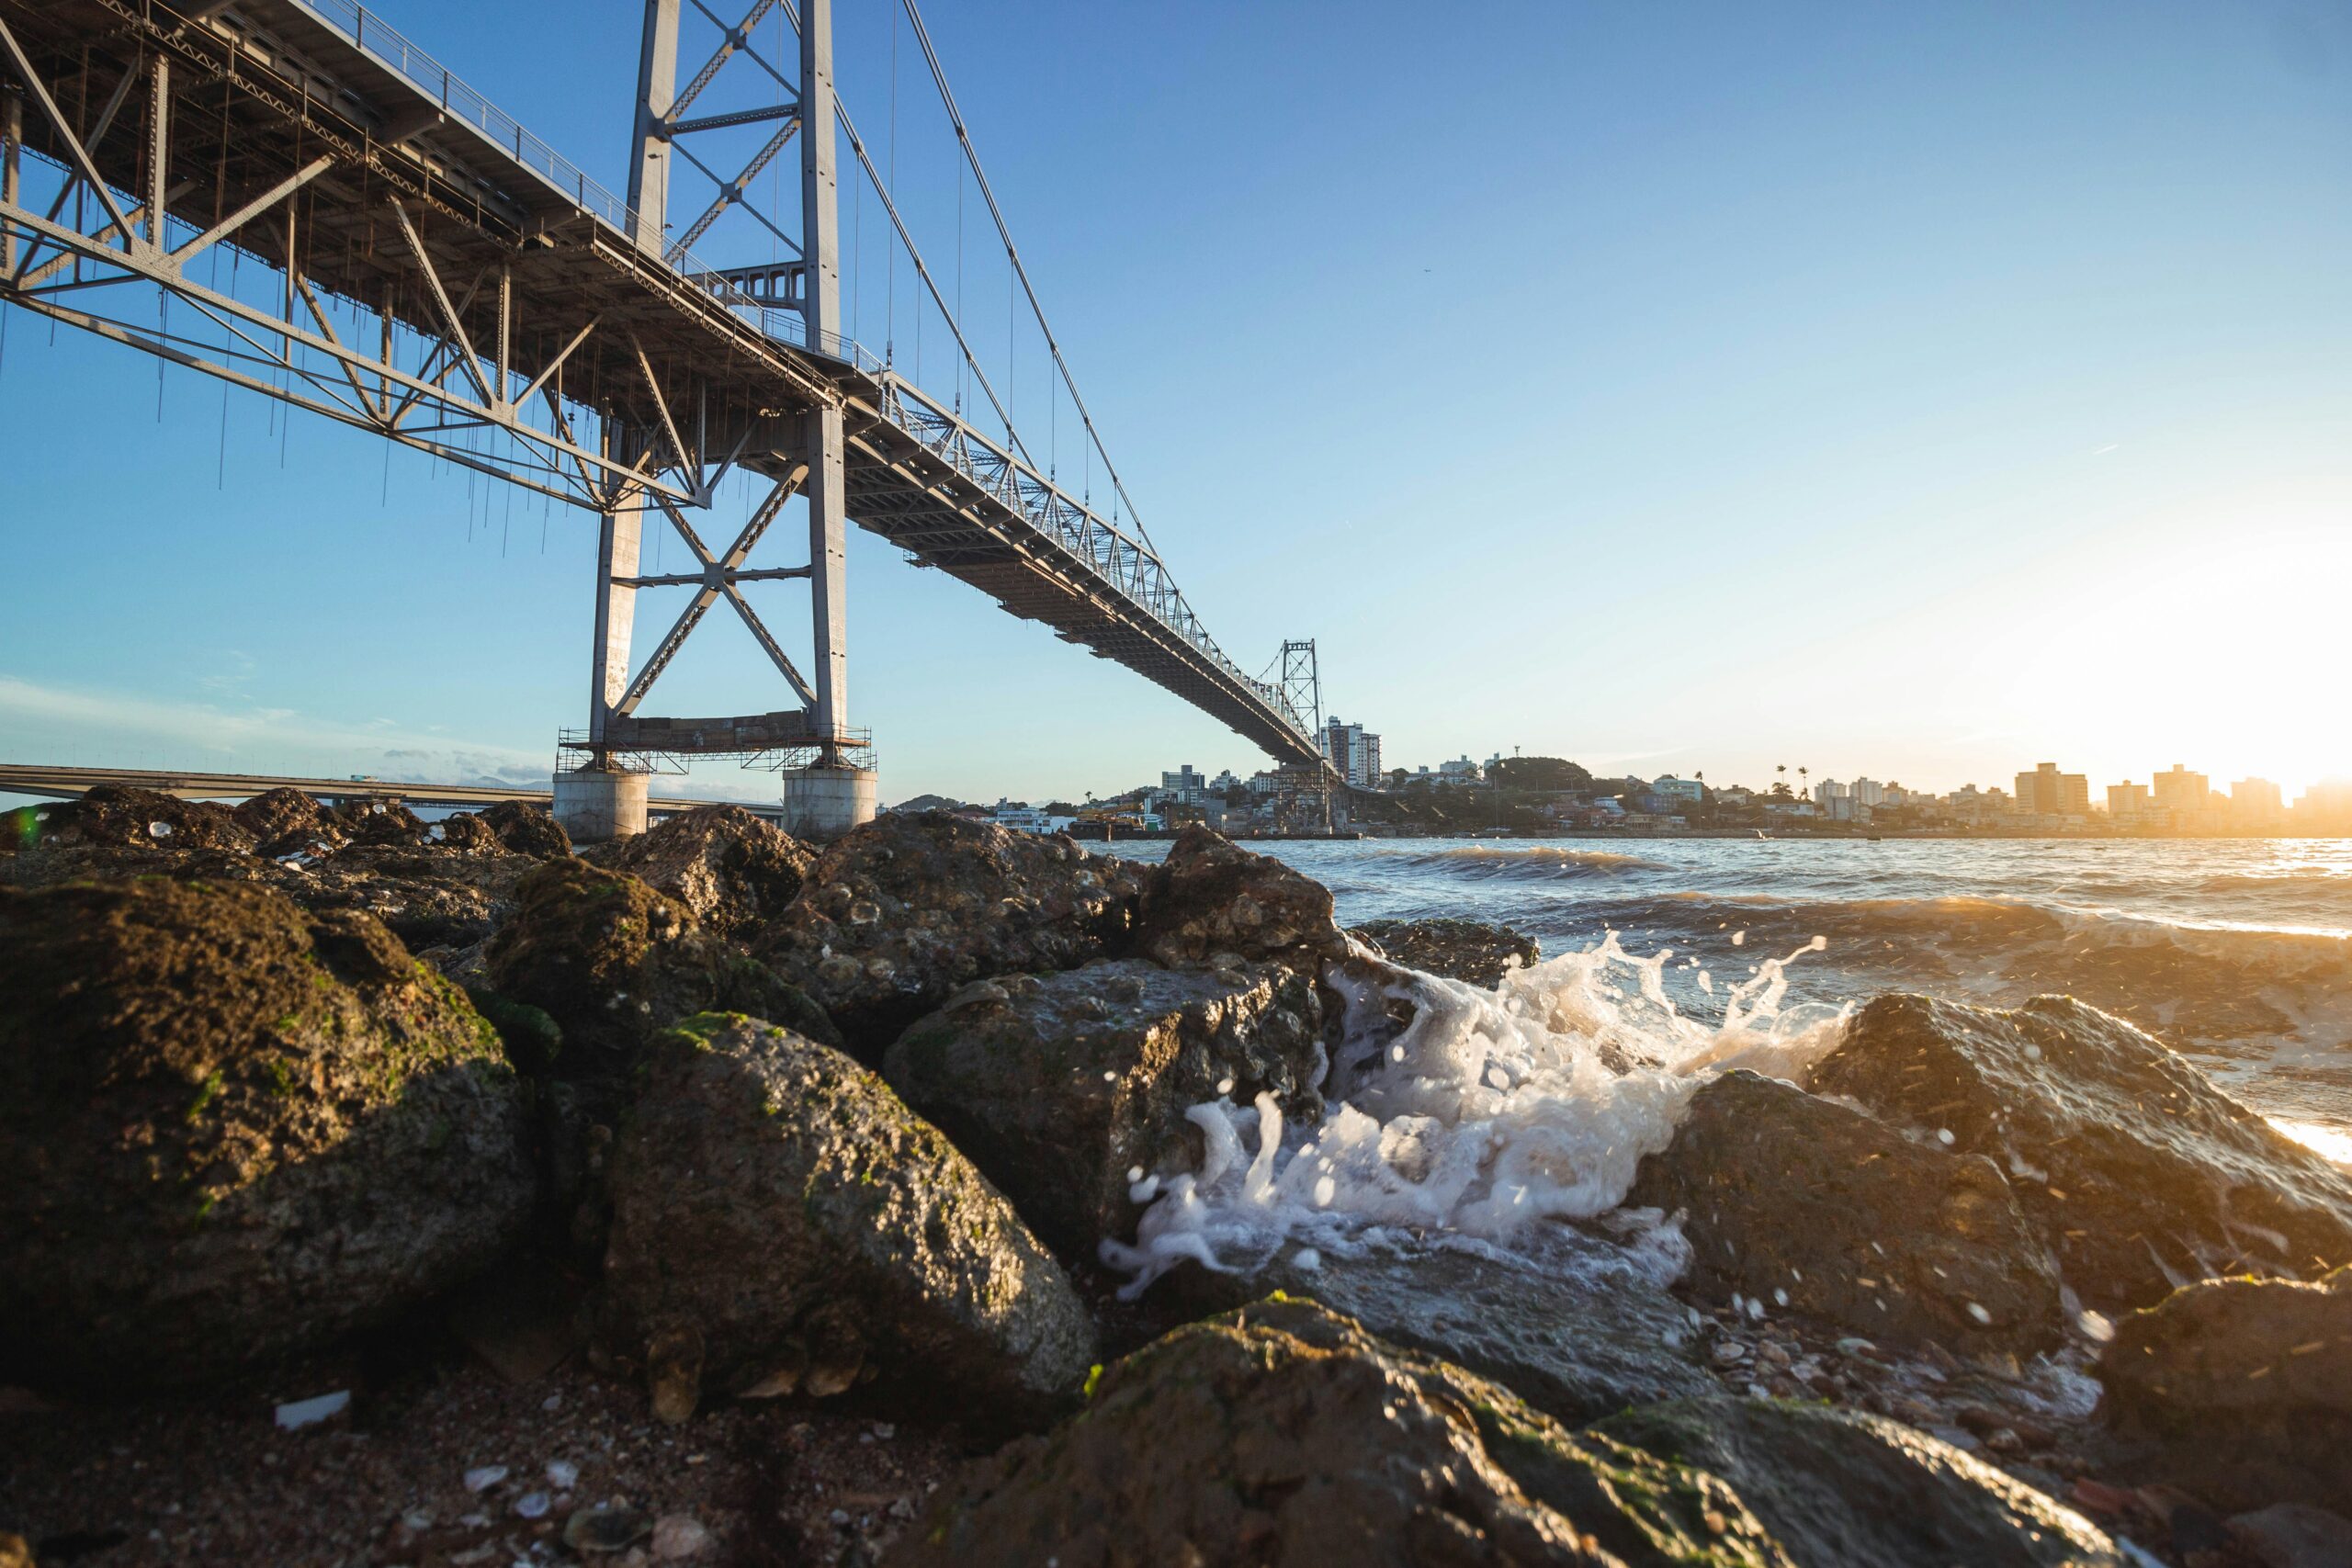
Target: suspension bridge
(405,258)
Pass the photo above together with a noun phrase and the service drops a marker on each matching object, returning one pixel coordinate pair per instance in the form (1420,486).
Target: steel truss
(75,249)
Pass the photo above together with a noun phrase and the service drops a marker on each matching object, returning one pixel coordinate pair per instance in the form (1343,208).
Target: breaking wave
(1478,1115)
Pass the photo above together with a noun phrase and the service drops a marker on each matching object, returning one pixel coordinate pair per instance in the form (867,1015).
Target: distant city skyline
(1923,391)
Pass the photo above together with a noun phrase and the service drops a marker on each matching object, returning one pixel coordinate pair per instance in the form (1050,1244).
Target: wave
(1493,1115)
(2201,986)
(1544,862)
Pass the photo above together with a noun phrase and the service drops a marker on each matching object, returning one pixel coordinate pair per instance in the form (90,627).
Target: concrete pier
(821,803)
(596,803)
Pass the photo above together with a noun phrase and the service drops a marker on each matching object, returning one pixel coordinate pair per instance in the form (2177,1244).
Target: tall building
(1829,790)
(2256,800)
(2046,792)
(2177,789)
(1185,785)
(2125,801)
(1354,754)
(1869,791)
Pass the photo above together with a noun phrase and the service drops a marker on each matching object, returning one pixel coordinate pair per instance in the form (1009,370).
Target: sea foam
(1487,1112)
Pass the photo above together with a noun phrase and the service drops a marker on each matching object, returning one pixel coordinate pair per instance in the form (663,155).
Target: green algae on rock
(613,962)
(232,1129)
(779,1211)
(1282,1434)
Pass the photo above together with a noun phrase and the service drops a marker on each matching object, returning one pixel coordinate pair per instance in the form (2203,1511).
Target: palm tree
(1802,774)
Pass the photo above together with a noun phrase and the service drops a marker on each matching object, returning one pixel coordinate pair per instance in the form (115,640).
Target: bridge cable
(971,156)
(898,223)
(891,328)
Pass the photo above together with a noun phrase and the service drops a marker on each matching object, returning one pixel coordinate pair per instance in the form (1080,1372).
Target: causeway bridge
(290,196)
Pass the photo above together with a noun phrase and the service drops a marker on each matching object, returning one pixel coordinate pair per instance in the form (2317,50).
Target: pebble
(607,1529)
(483,1477)
(677,1537)
(1729,1352)
(562,1474)
(533,1505)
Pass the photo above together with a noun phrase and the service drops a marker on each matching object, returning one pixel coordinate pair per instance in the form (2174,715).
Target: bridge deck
(537,271)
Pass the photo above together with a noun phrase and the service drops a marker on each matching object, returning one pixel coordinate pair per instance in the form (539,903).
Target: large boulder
(120,817)
(527,829)
(1818,1208)
(378,824)
(1063,1088)
(1478,953)
(2244,1386)
(282,821)
(230,1130)
(1210,898)
(1840,1489)
(2141,1174)
(781,1216)
(735,871)
(1283,1436)
(613,963)
(899,914)
(466,833)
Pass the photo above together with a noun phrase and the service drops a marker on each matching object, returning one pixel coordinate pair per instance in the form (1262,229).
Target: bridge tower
(829,783)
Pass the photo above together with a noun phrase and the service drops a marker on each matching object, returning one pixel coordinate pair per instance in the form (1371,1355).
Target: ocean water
(1494,1111)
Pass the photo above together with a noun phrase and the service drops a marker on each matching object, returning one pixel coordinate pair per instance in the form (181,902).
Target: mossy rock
(776,1204)
(1284,1434)
(231,1129)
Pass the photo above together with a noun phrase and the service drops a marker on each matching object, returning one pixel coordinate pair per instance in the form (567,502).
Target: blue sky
(1922,392)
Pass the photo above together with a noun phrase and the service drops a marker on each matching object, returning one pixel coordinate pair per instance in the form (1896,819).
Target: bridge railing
(1132,569)
(386,45)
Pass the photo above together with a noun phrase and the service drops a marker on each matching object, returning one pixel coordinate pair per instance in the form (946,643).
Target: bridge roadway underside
(537,297)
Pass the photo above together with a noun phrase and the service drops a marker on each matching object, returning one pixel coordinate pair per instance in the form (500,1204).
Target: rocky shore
(382,1192)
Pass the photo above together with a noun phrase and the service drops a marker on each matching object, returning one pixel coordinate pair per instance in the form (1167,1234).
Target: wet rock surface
(782,1222)
(1819,1208)
(1842,1490)
(1283,1434)
(735,871)
(1210,898)
(897,915)
(2138,1171)
(1477,953)
(232,1129)
(2243,1386)
(1067,1089)
(1579,1338)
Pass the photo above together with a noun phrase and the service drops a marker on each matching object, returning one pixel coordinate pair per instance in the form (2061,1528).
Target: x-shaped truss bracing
(717,580)
(89,256)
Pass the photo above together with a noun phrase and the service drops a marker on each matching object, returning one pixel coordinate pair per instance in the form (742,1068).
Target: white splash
(1489,1111)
